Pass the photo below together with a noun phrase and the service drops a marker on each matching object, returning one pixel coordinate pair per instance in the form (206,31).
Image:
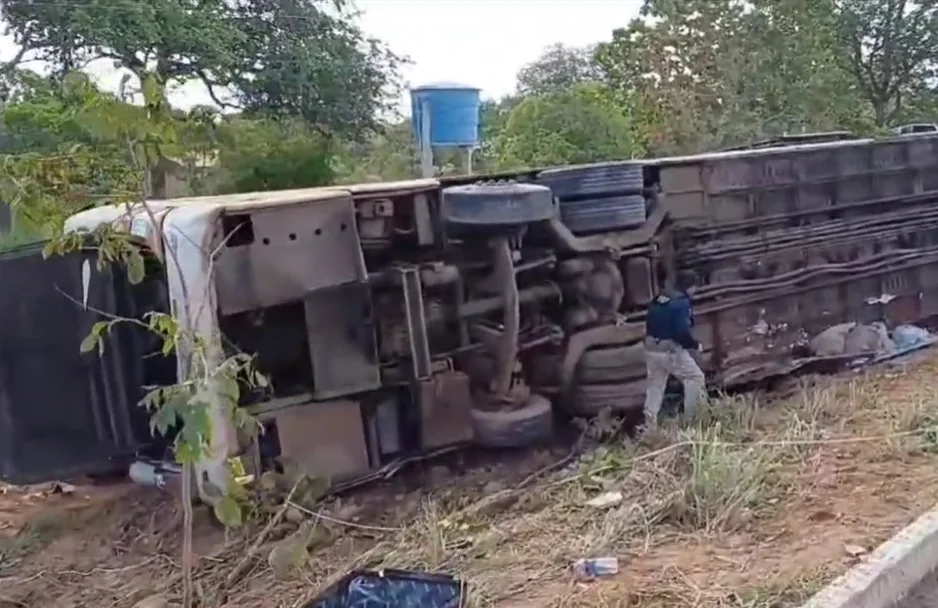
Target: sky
(482,43)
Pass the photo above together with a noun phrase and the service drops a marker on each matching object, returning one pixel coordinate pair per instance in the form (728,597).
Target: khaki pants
(664,359)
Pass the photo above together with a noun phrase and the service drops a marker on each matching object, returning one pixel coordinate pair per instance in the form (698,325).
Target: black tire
(481,205)
(530,424)
(611,364)
(626,177)
(590,399)
(597,214)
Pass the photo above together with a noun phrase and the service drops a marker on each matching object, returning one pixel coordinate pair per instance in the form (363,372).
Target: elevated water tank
(453,111)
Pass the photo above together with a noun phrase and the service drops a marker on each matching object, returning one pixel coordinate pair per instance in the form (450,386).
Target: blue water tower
(445,115)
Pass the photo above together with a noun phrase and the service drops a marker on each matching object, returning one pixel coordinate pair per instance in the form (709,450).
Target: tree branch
(7,67)
(204,77)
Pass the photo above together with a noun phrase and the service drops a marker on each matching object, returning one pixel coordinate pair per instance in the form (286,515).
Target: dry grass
(750,508)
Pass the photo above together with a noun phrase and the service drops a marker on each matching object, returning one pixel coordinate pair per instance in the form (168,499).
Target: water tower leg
(426,149)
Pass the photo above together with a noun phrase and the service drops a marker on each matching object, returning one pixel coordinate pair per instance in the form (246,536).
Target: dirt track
(758,508)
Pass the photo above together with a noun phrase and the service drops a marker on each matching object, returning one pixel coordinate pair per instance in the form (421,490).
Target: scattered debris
(596,567)
(852,339)
(855,551)
(870,343)
(910,336)
(872,338)
(606,500)
(831,341)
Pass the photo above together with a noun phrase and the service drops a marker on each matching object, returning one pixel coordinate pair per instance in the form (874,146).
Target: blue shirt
(671,317)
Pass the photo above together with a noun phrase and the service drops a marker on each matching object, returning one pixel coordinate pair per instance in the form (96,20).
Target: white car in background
(916,128)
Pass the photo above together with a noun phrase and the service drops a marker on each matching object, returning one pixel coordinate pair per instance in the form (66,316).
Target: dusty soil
(757,507)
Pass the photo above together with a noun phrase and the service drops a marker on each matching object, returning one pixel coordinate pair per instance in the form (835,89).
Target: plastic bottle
(595,567)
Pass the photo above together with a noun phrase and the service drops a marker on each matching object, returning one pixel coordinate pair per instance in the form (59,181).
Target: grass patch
(737,416)
(725,484)
(791,595)
(38,533)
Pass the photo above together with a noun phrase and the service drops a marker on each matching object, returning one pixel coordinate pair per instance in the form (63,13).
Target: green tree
(799,69)
(493,116)
(65,128)
(389,154)
(297,58)
(266,154)
(891,49)
(919,104)
(172,40)
(711,73)
(559,68)
(682,60)
(50,112)
(579,125)
(308,58)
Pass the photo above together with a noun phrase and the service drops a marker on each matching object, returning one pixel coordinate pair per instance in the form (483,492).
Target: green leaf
(95,337)
(228,512)
(185,454)
(260,380)
(152,399)
(135,267)
(230,389)
(89,343)
(163,420)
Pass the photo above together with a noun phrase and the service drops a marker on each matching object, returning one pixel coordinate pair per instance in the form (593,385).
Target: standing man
(668,344)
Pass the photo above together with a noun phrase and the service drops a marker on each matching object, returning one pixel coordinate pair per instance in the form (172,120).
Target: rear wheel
(620,397)
(522,426)
(608,377)
(611,364)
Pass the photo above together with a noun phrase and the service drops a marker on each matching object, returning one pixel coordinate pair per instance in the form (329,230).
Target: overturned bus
(399,319)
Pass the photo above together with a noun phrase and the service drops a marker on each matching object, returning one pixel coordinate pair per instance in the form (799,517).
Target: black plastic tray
(393,589)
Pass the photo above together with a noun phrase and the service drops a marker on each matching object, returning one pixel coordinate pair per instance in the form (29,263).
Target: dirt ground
(760,505)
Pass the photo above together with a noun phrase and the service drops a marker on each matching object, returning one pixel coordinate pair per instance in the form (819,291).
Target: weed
(737,415)
(725,484)
(790,595)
